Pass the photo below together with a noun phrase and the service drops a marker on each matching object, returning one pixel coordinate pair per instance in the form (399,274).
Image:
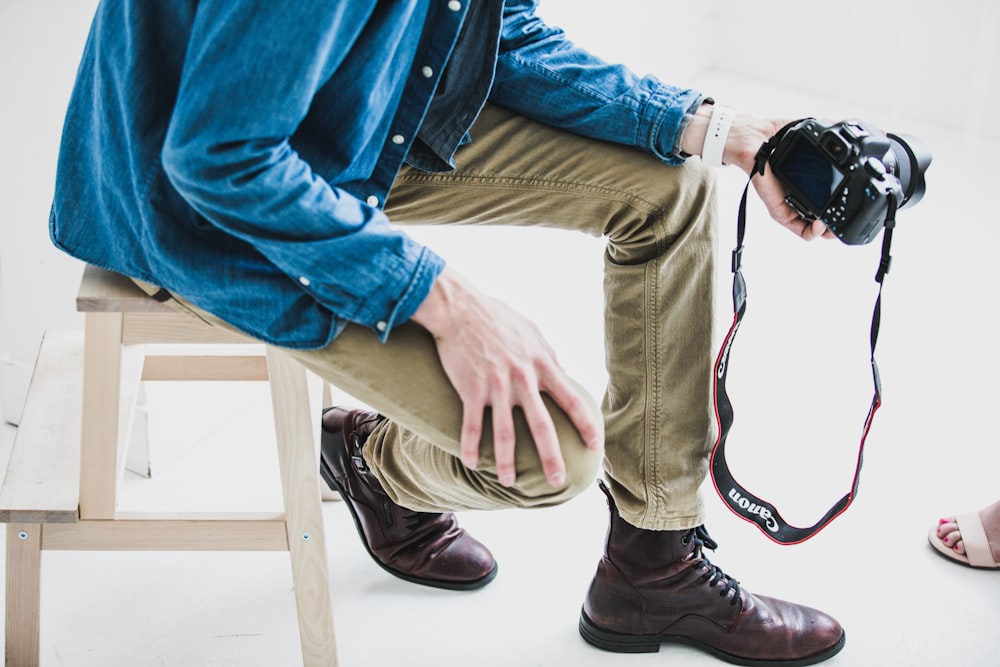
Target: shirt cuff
(429,267)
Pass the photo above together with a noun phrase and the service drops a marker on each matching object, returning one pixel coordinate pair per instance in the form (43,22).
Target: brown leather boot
(420,547)
(657,586)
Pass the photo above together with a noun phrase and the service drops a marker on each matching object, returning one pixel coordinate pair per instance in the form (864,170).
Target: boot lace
(713,574)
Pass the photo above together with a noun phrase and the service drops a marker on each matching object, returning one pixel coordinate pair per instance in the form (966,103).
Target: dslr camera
(848,173)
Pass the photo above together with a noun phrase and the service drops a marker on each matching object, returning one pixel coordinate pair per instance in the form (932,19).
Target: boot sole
(327,474)
(621,643)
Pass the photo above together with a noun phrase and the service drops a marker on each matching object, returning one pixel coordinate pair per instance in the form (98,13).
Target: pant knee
(582,465)
(581,470)
(532,489)
(683,207)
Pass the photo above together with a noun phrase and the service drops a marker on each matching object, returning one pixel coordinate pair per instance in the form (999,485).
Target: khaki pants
(658,286)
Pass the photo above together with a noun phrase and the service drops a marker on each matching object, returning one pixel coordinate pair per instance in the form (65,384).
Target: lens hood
(912,158)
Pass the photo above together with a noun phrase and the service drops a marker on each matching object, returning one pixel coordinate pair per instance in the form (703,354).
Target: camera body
(844,174)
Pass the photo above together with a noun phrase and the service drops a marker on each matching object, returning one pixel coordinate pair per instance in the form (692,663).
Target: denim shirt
(238,153)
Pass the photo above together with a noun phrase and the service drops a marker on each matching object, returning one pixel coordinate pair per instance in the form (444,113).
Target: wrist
(693,138)
(437,311)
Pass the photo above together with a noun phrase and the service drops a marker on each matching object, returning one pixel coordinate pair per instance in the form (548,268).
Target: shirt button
(381,326)
(398,139)
(305,282)
(372,201)
(427,72)
(454,5)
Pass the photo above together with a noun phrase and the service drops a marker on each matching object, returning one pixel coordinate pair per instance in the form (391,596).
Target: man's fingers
(543,432)
(503,443)
(472,432)
(577,409)
(813,230)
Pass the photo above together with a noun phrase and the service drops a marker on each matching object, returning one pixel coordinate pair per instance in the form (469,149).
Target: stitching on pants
(651,447)
(540,184)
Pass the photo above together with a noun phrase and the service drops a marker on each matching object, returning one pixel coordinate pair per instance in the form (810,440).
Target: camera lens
(907,160)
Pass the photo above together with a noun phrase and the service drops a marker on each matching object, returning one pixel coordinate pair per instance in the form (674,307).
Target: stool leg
(24,569)
(303,513)
(101,390)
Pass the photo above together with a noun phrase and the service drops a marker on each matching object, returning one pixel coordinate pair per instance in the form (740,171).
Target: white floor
(800,384)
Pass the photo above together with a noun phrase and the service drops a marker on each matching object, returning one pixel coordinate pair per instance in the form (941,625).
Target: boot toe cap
(465,564)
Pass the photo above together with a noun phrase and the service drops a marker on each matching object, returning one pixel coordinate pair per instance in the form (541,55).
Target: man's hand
(495,357)
(746,136)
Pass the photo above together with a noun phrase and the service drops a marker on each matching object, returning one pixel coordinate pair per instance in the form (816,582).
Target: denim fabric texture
(239,153)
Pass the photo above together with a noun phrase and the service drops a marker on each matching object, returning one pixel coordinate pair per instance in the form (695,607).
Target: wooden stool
(62,483)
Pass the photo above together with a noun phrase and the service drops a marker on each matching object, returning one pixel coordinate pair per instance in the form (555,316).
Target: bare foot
(990,516)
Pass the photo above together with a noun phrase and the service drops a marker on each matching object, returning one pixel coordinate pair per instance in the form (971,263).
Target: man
(243,160)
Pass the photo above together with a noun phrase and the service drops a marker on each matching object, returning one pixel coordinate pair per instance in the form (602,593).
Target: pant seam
(654,489)
(532,183)
(652,382)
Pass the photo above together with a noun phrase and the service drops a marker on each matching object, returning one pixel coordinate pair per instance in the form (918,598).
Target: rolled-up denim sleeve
(251,73)
(543,75)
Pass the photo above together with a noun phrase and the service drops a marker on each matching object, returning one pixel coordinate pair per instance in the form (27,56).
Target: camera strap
(743,503)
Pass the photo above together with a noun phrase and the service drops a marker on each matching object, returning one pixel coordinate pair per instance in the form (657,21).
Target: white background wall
(895,61)
(40,45)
